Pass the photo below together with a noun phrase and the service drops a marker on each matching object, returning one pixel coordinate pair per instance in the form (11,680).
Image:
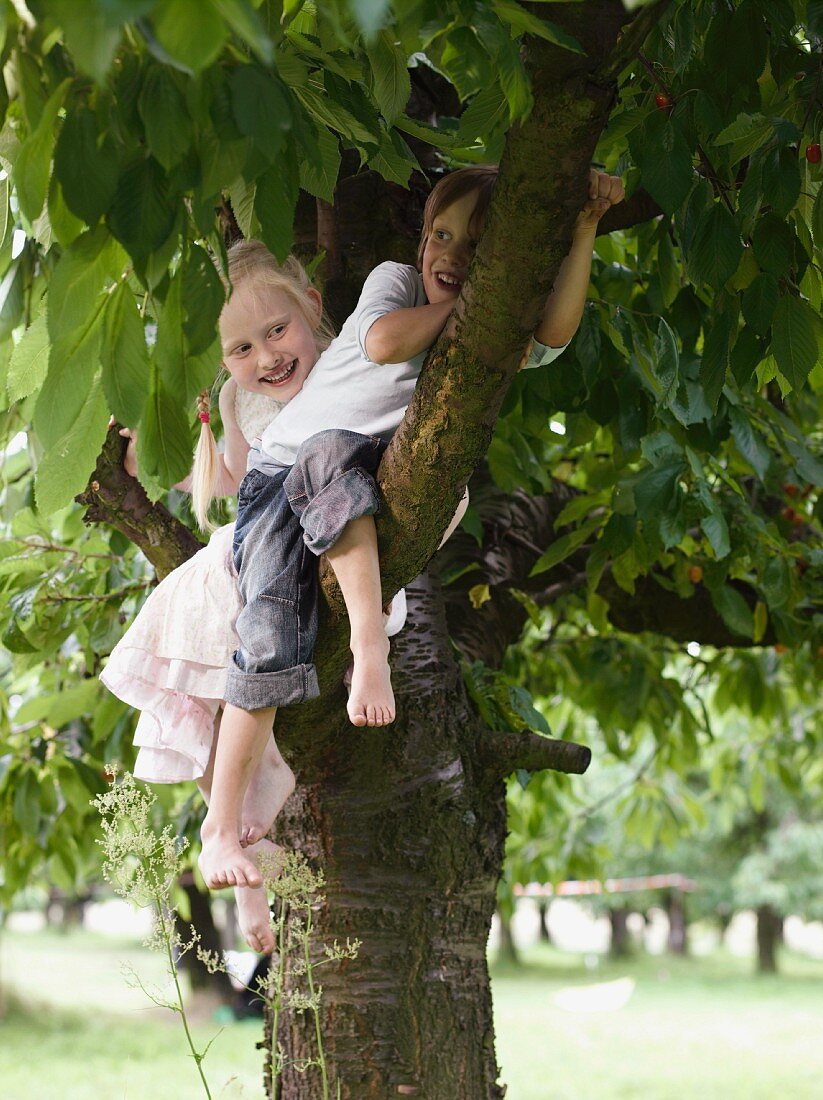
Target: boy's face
(449,250)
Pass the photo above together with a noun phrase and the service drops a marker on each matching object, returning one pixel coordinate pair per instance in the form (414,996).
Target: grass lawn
(653,1028)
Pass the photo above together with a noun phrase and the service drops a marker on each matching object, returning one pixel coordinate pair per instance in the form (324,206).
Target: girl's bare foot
(253,913)
(371,699)
(268,790)
(222,861)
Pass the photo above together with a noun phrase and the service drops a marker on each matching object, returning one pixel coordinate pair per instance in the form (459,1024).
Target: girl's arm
(564,306)
(236,448)
(400,335)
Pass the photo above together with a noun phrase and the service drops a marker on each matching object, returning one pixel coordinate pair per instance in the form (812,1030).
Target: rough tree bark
(409,823)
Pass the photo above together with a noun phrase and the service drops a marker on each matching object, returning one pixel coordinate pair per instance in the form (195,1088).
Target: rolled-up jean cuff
(258,690)
(349,496)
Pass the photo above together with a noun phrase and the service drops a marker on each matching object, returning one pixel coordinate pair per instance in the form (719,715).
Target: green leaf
(394,160)
(29,361)
(392,83)
(795,339)
(261,108)
(65,468)
(561,548)
(164,446)
(665,160)
(84,271)
(142,214)
(780,179)
(488,110)
(715,361)
(750,443)
(91,34)
(182,374)
(773,244)
(716,531)
(733,610)
(745,134)
(716,247)
(87,171)
(74,310)
(655,490)
(817,218)
(759,302)
(165,117)
(321,166)
(202,299)
(193,34)
(667,359)
(125,357)
(30,173)
(522,22)
(274,202)
(246,24)
(776,583)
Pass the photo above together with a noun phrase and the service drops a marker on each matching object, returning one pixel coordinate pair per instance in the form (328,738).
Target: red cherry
(695,574)
(813,154)
(790,490)
(663,102)
(780,648)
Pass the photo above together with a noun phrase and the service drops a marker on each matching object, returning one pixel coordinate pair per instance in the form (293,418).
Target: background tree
(657,488)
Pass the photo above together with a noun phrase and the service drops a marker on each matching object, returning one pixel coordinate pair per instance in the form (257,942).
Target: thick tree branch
(639,208)
(113,497)
(448,426)
(508,752)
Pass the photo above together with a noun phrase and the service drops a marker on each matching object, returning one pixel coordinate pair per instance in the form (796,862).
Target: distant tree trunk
(508,948)
(678,943)
(724,919)
(620,946)
(201,917)
(543,913)
(768,935)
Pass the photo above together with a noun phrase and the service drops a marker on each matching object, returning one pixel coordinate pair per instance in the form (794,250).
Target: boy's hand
(604,192)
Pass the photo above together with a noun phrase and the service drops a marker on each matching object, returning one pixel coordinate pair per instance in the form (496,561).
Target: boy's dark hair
(480,178)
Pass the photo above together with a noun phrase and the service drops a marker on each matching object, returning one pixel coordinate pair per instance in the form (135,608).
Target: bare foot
(371,699)
(253,913)
(268,790)
(222,861)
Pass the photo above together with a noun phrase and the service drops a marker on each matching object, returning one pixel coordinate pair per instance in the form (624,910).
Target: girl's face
(268,345)
(449,250)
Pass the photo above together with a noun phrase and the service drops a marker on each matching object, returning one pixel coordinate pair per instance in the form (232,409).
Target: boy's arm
(400,335)
(564,306)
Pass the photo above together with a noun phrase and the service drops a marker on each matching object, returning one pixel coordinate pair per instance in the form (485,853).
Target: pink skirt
(171,663)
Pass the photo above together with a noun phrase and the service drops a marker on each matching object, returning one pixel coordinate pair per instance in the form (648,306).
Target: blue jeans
(284,523)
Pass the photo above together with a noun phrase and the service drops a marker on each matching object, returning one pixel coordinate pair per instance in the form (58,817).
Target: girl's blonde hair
(249,261)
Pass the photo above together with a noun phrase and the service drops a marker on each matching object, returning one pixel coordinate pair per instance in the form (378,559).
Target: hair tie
(204,417)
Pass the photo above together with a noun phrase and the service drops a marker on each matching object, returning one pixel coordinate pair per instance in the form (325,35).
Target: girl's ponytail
(206,469)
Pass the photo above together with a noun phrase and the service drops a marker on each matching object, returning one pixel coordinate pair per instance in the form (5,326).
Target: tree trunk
(543,913)
(678,943)
(409,830)
(508,948)
(201,918)
(620,946)
(768,934)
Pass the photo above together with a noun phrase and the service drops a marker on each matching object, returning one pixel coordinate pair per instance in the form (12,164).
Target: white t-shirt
(346,389)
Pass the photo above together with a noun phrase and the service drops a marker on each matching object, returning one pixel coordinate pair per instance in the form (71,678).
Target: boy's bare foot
(253,913)
(371,699)
(222,861)
(268,790)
